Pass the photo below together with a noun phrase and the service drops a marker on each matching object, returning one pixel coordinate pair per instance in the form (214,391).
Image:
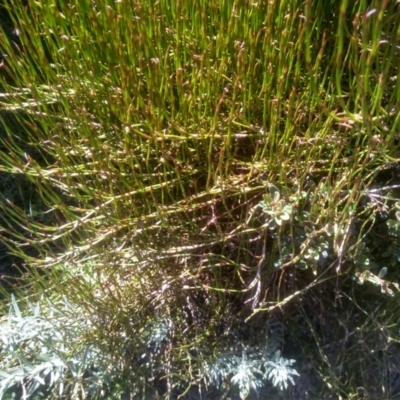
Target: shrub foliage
(197,170)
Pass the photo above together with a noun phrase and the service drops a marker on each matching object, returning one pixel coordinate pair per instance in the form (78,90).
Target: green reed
(160,124)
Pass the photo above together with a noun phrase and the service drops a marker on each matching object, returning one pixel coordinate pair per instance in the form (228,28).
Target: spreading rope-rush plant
(184,172)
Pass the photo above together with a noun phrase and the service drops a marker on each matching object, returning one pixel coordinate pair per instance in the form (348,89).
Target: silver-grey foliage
(251,370)
(49,352)
(45,352)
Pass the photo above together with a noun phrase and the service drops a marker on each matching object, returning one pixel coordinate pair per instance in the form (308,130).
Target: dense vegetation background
(200,199)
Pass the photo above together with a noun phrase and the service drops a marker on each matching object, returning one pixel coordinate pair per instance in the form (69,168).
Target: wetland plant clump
(205,197)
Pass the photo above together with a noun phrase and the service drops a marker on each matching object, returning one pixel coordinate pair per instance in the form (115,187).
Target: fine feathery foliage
(54,350)
(41,353)
(190,170)
(251,370)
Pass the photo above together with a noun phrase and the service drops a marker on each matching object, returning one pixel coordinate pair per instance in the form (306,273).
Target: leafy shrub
(251,370)
(196,170)
(47,353)
(53,352)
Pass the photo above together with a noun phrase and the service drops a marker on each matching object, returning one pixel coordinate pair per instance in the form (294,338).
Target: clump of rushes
(209,162)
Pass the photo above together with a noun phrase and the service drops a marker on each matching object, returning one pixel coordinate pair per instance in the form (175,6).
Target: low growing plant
(251,370)
(46,353)
(202,163)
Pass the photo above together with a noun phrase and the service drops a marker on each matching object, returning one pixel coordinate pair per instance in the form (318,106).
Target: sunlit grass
(160,127)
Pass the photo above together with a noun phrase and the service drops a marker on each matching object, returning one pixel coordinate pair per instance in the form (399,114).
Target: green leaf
(274,192)
(382,272)
(244,392)
(393,227)
(272,224)
(316,255)
(280,205)
(23,361)
(314,267)
(302,264)
(285,192)
(267,199)
(14,305)
(363,260)
(288,209)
